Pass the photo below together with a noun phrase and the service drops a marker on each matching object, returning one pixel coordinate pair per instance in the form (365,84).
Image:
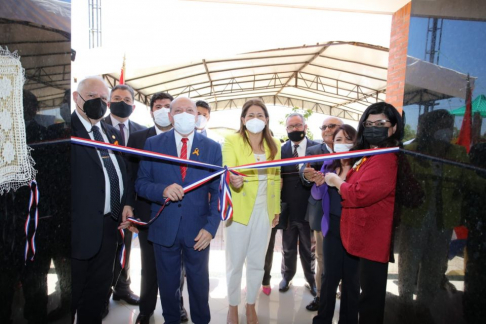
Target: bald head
(90,88)
(328,127)
(182,101)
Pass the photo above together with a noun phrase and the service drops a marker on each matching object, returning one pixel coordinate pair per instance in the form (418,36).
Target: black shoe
(284,285)
(143,319)
(312,288)
(184,317)
(129,297)
(314,305)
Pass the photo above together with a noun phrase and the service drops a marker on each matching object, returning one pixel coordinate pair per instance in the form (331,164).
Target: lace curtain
(16,164)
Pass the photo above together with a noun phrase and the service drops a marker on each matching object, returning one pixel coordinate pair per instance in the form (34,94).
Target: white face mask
(201,122)
(255,125)
(184,123)
(161,117)
(338,148)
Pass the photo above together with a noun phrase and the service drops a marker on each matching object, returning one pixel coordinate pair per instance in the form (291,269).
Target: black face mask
(375,135)
(296,136)
(94,108)
(121,109)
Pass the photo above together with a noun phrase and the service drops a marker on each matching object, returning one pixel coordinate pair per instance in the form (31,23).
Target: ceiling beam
(210,81)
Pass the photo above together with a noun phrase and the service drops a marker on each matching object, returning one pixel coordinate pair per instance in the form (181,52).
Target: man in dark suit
(186,226)
(314,207)
(295,196)
(98,179)
(122,104)
(149,287)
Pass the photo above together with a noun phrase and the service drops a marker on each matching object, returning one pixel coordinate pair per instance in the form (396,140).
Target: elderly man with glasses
(314,207)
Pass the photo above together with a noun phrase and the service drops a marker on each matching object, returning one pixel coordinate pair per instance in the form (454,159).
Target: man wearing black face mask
(99,202)
(121,107)
(295,196)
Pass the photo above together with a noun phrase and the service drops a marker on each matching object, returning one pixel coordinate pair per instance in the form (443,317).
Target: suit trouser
(372,278)
(196,265)
(297,231)
(269,258)
(319,255)
(91,279)
(121,277)
(149,286)
(339,265)
(246,243)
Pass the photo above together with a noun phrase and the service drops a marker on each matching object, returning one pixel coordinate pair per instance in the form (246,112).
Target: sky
(463,48)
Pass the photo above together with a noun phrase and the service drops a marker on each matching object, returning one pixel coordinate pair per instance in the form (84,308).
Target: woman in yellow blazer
(256,205)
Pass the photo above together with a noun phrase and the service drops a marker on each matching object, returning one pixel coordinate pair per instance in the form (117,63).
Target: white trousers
(246,244)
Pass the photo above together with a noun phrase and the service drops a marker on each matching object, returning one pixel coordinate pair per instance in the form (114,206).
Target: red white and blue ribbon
(123,252)
(225,204)
(33,202)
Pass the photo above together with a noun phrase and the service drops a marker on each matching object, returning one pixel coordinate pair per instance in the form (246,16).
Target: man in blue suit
(189,222)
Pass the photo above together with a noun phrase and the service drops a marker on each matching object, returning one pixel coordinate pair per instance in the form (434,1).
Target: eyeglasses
(296,126)
(377,123)
(330,126)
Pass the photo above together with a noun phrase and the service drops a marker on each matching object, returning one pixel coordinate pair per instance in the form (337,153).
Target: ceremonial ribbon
(123,252)
(225,205)
(34,199)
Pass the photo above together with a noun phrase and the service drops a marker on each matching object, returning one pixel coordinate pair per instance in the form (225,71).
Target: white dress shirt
(178,141)
(301,149)
(126,129)
(87,126)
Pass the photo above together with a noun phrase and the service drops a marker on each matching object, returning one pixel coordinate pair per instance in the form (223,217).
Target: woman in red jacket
(368,198)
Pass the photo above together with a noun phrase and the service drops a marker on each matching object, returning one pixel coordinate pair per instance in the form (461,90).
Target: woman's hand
(319,179)
(332,179)
(236,181)
(275,220)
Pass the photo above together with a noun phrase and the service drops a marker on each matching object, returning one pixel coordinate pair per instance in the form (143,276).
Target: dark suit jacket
(137,140)
(314,207)
(132,128)
(294,194)
(88,191)
(195,211)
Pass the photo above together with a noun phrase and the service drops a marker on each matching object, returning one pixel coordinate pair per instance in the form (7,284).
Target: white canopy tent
(40,32)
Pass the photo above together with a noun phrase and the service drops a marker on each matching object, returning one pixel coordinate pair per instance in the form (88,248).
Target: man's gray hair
(94,77)
(296,114)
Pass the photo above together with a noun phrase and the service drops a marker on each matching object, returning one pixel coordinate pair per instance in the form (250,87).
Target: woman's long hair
(392,115)
(267,136)
(350,134)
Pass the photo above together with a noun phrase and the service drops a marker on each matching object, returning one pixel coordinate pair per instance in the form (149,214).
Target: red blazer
(368,200)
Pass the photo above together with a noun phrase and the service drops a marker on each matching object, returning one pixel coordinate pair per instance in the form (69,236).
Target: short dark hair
(123,87)
(204,104)
(159,96)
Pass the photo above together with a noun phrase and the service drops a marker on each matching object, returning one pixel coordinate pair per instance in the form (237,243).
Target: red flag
(122,74)
(464,138)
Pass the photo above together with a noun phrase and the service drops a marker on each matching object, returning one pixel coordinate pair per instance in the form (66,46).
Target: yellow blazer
(236,151)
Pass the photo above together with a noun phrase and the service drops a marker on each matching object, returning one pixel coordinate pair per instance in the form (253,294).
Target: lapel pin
(113,136)
(196,151)
(116,143)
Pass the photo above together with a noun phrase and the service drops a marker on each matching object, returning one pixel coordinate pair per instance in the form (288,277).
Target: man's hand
(236,181)
(174,192)
(125,224)
(203,240)
(319,179)
(309,173)
(275,220)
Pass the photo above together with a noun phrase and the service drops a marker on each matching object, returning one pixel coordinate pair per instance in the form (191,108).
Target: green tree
(409,133)
(307,113)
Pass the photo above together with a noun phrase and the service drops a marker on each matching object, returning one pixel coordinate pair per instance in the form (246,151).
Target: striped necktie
(184,156)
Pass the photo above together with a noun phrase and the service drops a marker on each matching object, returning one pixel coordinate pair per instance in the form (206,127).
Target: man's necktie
(112,175)
(184,156)
(296,154)
(122,131)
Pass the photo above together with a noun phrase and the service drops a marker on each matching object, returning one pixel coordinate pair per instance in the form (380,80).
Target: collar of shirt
(87,124)
(301,148)
(178,138)
(115,123)
(328,148)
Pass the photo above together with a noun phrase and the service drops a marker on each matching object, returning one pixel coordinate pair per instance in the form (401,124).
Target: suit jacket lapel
(197,148)
(171,147)
(81,132)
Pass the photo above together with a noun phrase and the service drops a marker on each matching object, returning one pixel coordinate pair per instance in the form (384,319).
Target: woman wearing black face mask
(368,200)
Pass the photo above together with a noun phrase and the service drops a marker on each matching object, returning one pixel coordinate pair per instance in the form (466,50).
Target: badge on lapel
(196,151)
